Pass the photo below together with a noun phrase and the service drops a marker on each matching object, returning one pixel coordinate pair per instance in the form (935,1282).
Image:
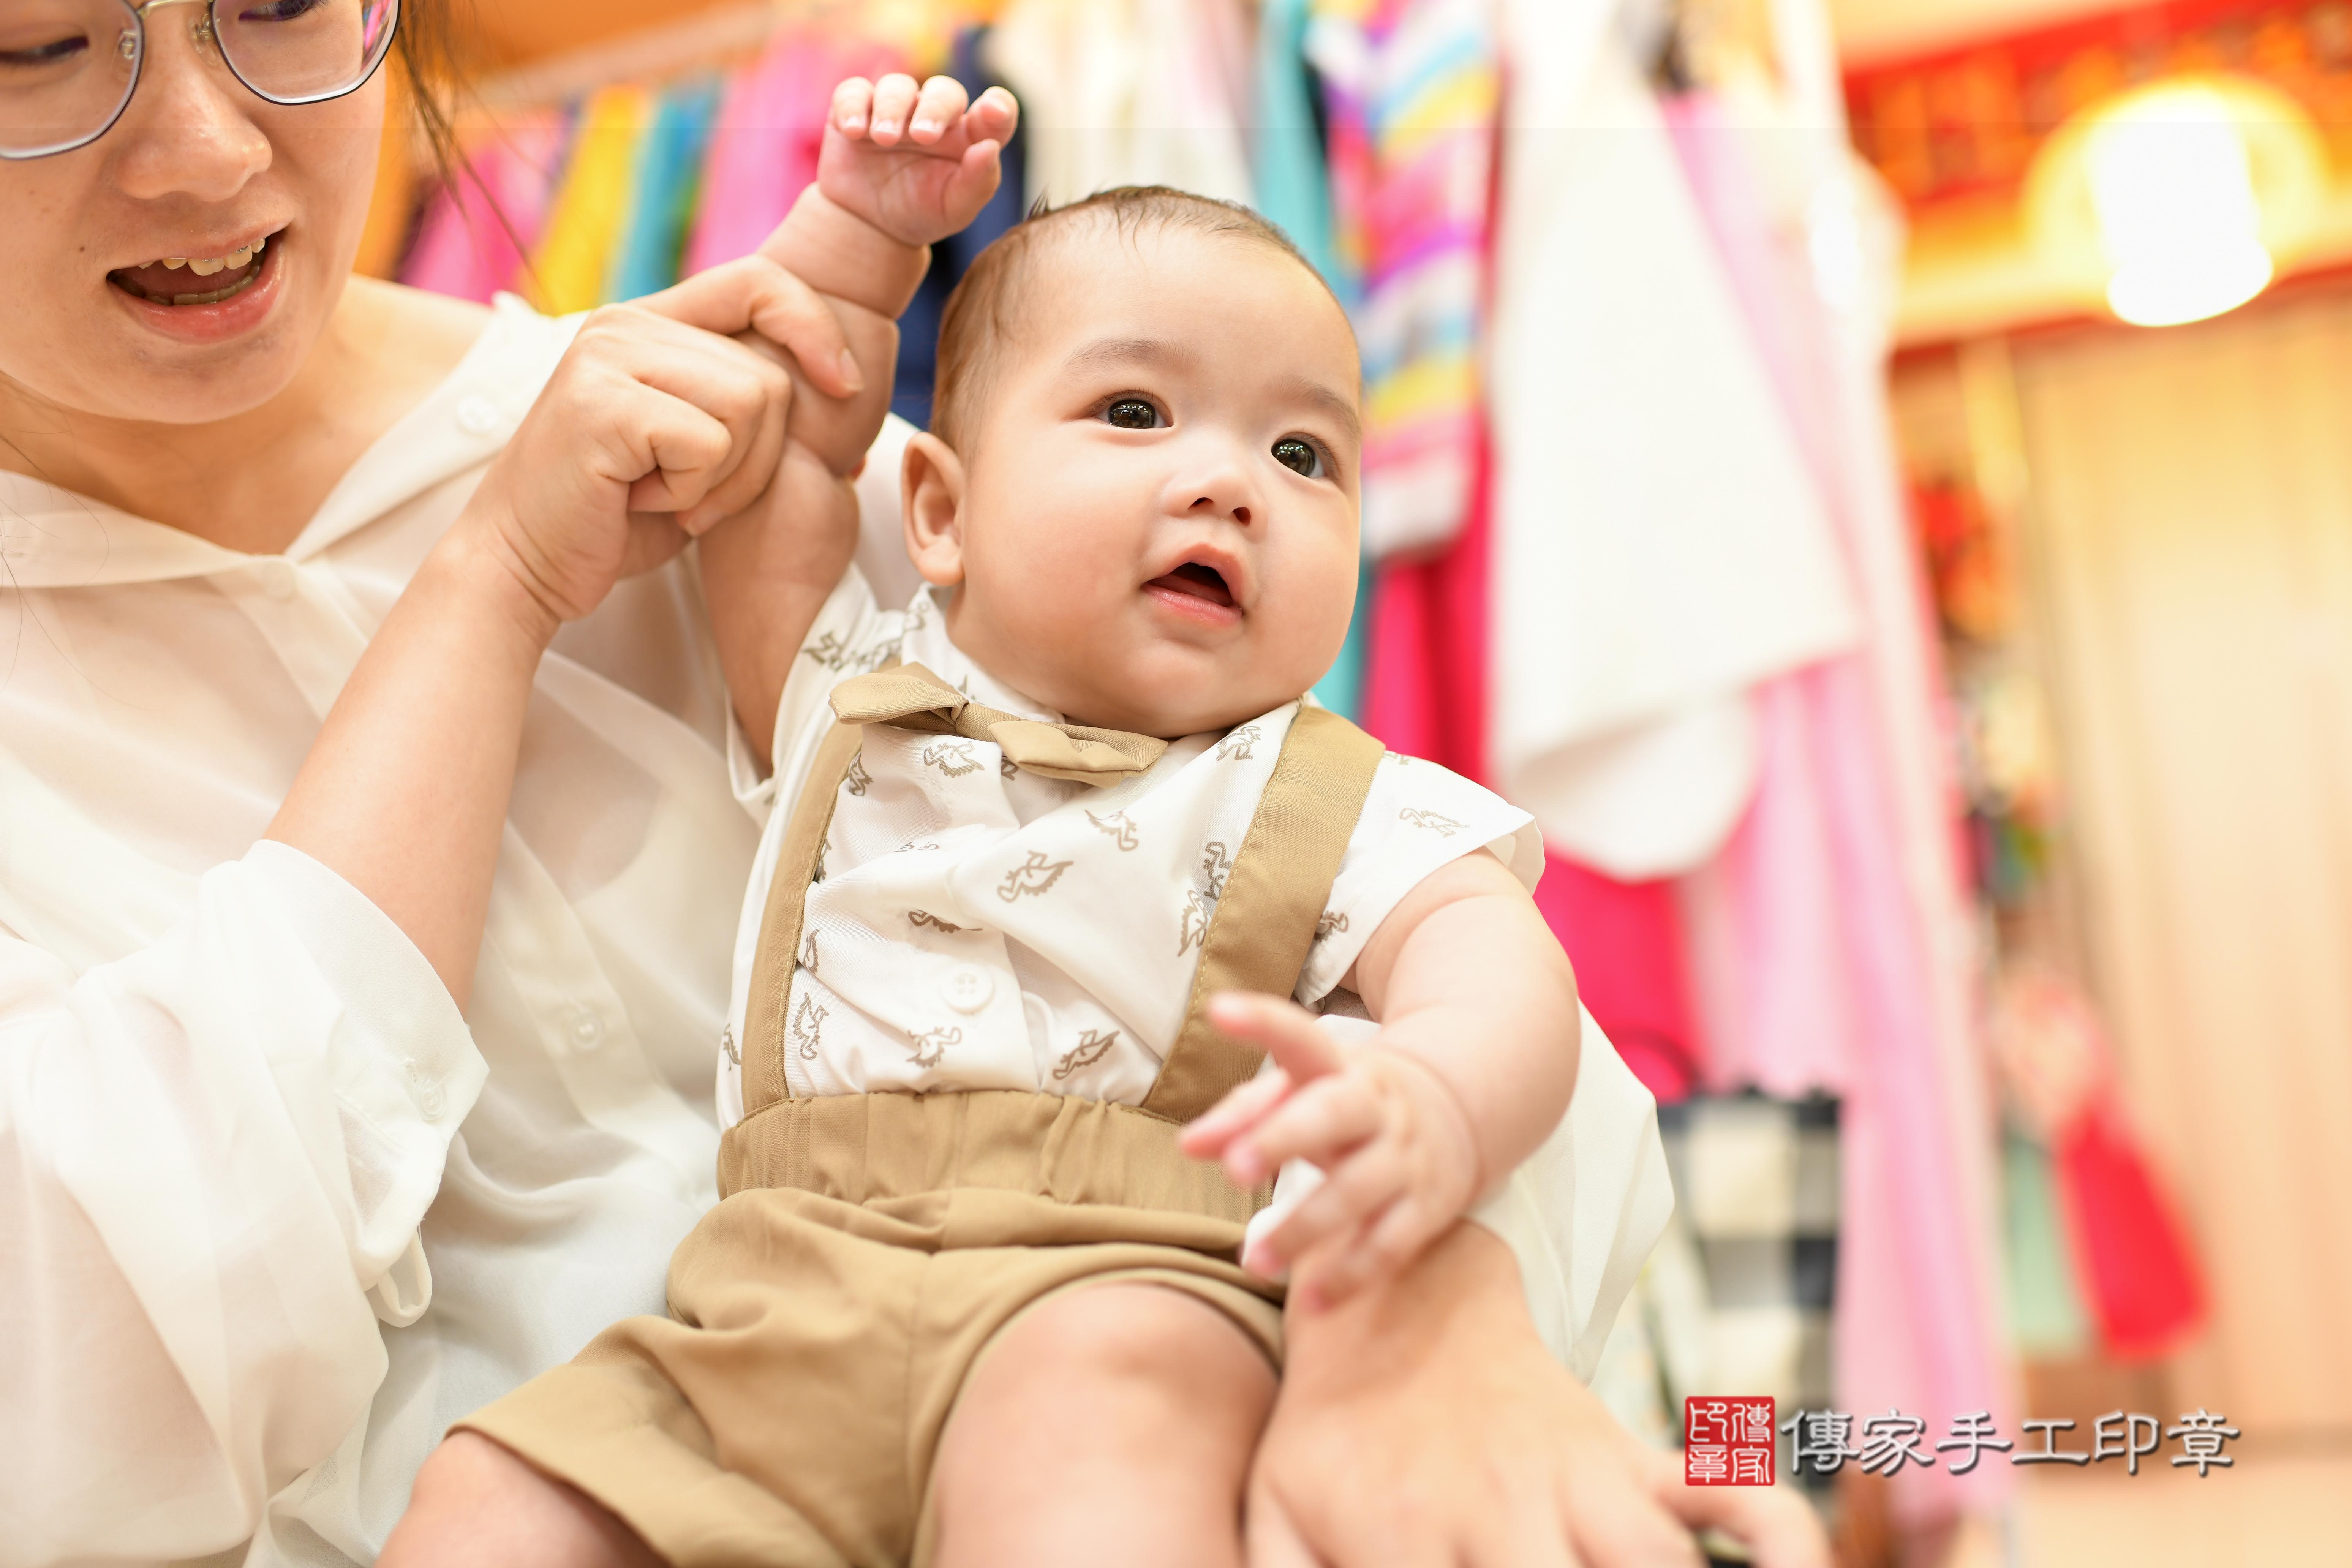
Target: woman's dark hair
(427,47)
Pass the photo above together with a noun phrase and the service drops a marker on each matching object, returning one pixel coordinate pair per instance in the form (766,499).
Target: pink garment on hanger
(1626,941)
(764,149)
(1425,690)
(461,247)
(1823,937)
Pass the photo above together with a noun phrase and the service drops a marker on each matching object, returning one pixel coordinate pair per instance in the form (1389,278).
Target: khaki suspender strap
(1266,919)
(1257,938)
(778,952)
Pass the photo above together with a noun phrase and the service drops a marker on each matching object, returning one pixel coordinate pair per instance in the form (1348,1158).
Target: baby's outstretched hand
(1391,1140)
(917,163)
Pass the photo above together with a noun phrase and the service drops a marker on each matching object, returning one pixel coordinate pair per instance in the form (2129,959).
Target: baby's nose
(1240,515)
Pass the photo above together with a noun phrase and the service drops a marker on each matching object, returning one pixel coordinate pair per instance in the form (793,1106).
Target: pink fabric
(1425,678)
(1626,941)
(462,248)
(764,148)
(1831,893)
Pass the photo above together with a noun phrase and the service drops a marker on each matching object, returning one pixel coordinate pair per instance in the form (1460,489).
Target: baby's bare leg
(1112,1424)
(475,1505)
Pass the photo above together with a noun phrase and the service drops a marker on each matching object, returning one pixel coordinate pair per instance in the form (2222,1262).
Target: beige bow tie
(909,697)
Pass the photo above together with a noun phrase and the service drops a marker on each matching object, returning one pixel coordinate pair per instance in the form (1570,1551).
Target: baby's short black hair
(984,310)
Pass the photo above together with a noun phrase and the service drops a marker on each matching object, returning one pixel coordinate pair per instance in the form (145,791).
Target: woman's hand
(1424,1426)
(655,426)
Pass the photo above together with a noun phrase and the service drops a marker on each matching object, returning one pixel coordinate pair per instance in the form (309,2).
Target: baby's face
(1157,529)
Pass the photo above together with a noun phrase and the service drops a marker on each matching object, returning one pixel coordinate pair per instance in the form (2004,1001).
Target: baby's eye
(1299,456)
(1132,413)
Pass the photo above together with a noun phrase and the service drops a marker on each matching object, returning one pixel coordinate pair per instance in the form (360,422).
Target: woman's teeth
(205,267)
(153,280)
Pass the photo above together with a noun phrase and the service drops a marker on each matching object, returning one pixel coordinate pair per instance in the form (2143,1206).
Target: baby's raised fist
(917,163)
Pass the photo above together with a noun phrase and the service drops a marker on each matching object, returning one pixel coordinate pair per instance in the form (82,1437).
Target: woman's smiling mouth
(182,282)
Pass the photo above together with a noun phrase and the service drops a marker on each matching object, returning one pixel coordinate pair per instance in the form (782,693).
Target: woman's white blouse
(272,1213)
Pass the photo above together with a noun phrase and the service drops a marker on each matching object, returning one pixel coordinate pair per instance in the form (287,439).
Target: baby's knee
(1111,1424)
(476,1503)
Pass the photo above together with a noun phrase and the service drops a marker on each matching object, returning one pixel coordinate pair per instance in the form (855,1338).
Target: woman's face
(198,170)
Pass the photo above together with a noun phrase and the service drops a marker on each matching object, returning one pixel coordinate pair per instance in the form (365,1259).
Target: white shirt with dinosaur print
(977,926)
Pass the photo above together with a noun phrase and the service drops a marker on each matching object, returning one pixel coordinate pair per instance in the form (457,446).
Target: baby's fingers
(1206,1135)
(994,117)
(1300,1046)
(894,101)
(1380,1251)
(853,106)
(1342,1207)
(938,108)
(1318,1123)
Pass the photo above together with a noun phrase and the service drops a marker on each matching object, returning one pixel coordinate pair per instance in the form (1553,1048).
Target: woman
(355,1071)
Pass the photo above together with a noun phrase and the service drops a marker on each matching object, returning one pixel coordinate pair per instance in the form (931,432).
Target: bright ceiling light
(2179,200)
(2178,217)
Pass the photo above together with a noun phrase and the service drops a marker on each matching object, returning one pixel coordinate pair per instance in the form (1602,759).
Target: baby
(1060,854)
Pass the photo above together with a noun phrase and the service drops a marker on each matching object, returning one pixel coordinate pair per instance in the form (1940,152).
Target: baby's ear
(932,492)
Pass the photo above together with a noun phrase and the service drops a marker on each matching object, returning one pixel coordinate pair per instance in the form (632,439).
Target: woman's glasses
(68,68)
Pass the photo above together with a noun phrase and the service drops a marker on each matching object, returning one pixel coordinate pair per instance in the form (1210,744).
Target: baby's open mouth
(1198,582)
(195,280)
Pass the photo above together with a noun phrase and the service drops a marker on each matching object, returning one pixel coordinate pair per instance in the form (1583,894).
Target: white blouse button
(278,579)
(968,987)
(477,415)
(582,1029)
(432,1101)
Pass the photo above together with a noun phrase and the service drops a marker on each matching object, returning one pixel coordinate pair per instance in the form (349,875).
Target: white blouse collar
(53,538)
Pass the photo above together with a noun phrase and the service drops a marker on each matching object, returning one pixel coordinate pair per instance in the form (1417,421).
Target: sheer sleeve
(215,1153)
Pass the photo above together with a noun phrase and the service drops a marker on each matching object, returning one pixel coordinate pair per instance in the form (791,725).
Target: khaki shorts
(824,1317)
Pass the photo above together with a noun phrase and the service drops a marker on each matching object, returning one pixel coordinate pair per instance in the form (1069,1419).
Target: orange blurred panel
(513,31)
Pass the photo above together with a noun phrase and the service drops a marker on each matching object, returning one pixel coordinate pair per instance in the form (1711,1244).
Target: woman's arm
(214,1153)
(1423,1423)
(655,425)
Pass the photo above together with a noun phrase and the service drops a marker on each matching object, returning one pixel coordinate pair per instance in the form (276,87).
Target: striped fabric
(1414,90)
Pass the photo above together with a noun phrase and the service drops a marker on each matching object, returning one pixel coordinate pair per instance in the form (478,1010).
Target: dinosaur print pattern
(1092,1046)
(1036,875)
(831,650)
(1119,827)
(953,758)
(1097,987)
(808,1028)
(1237,746)
(1193,929)
(925,1050)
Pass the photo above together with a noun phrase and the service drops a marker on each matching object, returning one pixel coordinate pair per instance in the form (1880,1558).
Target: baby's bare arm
(900,167)
(1472,1070)
(1465,976)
